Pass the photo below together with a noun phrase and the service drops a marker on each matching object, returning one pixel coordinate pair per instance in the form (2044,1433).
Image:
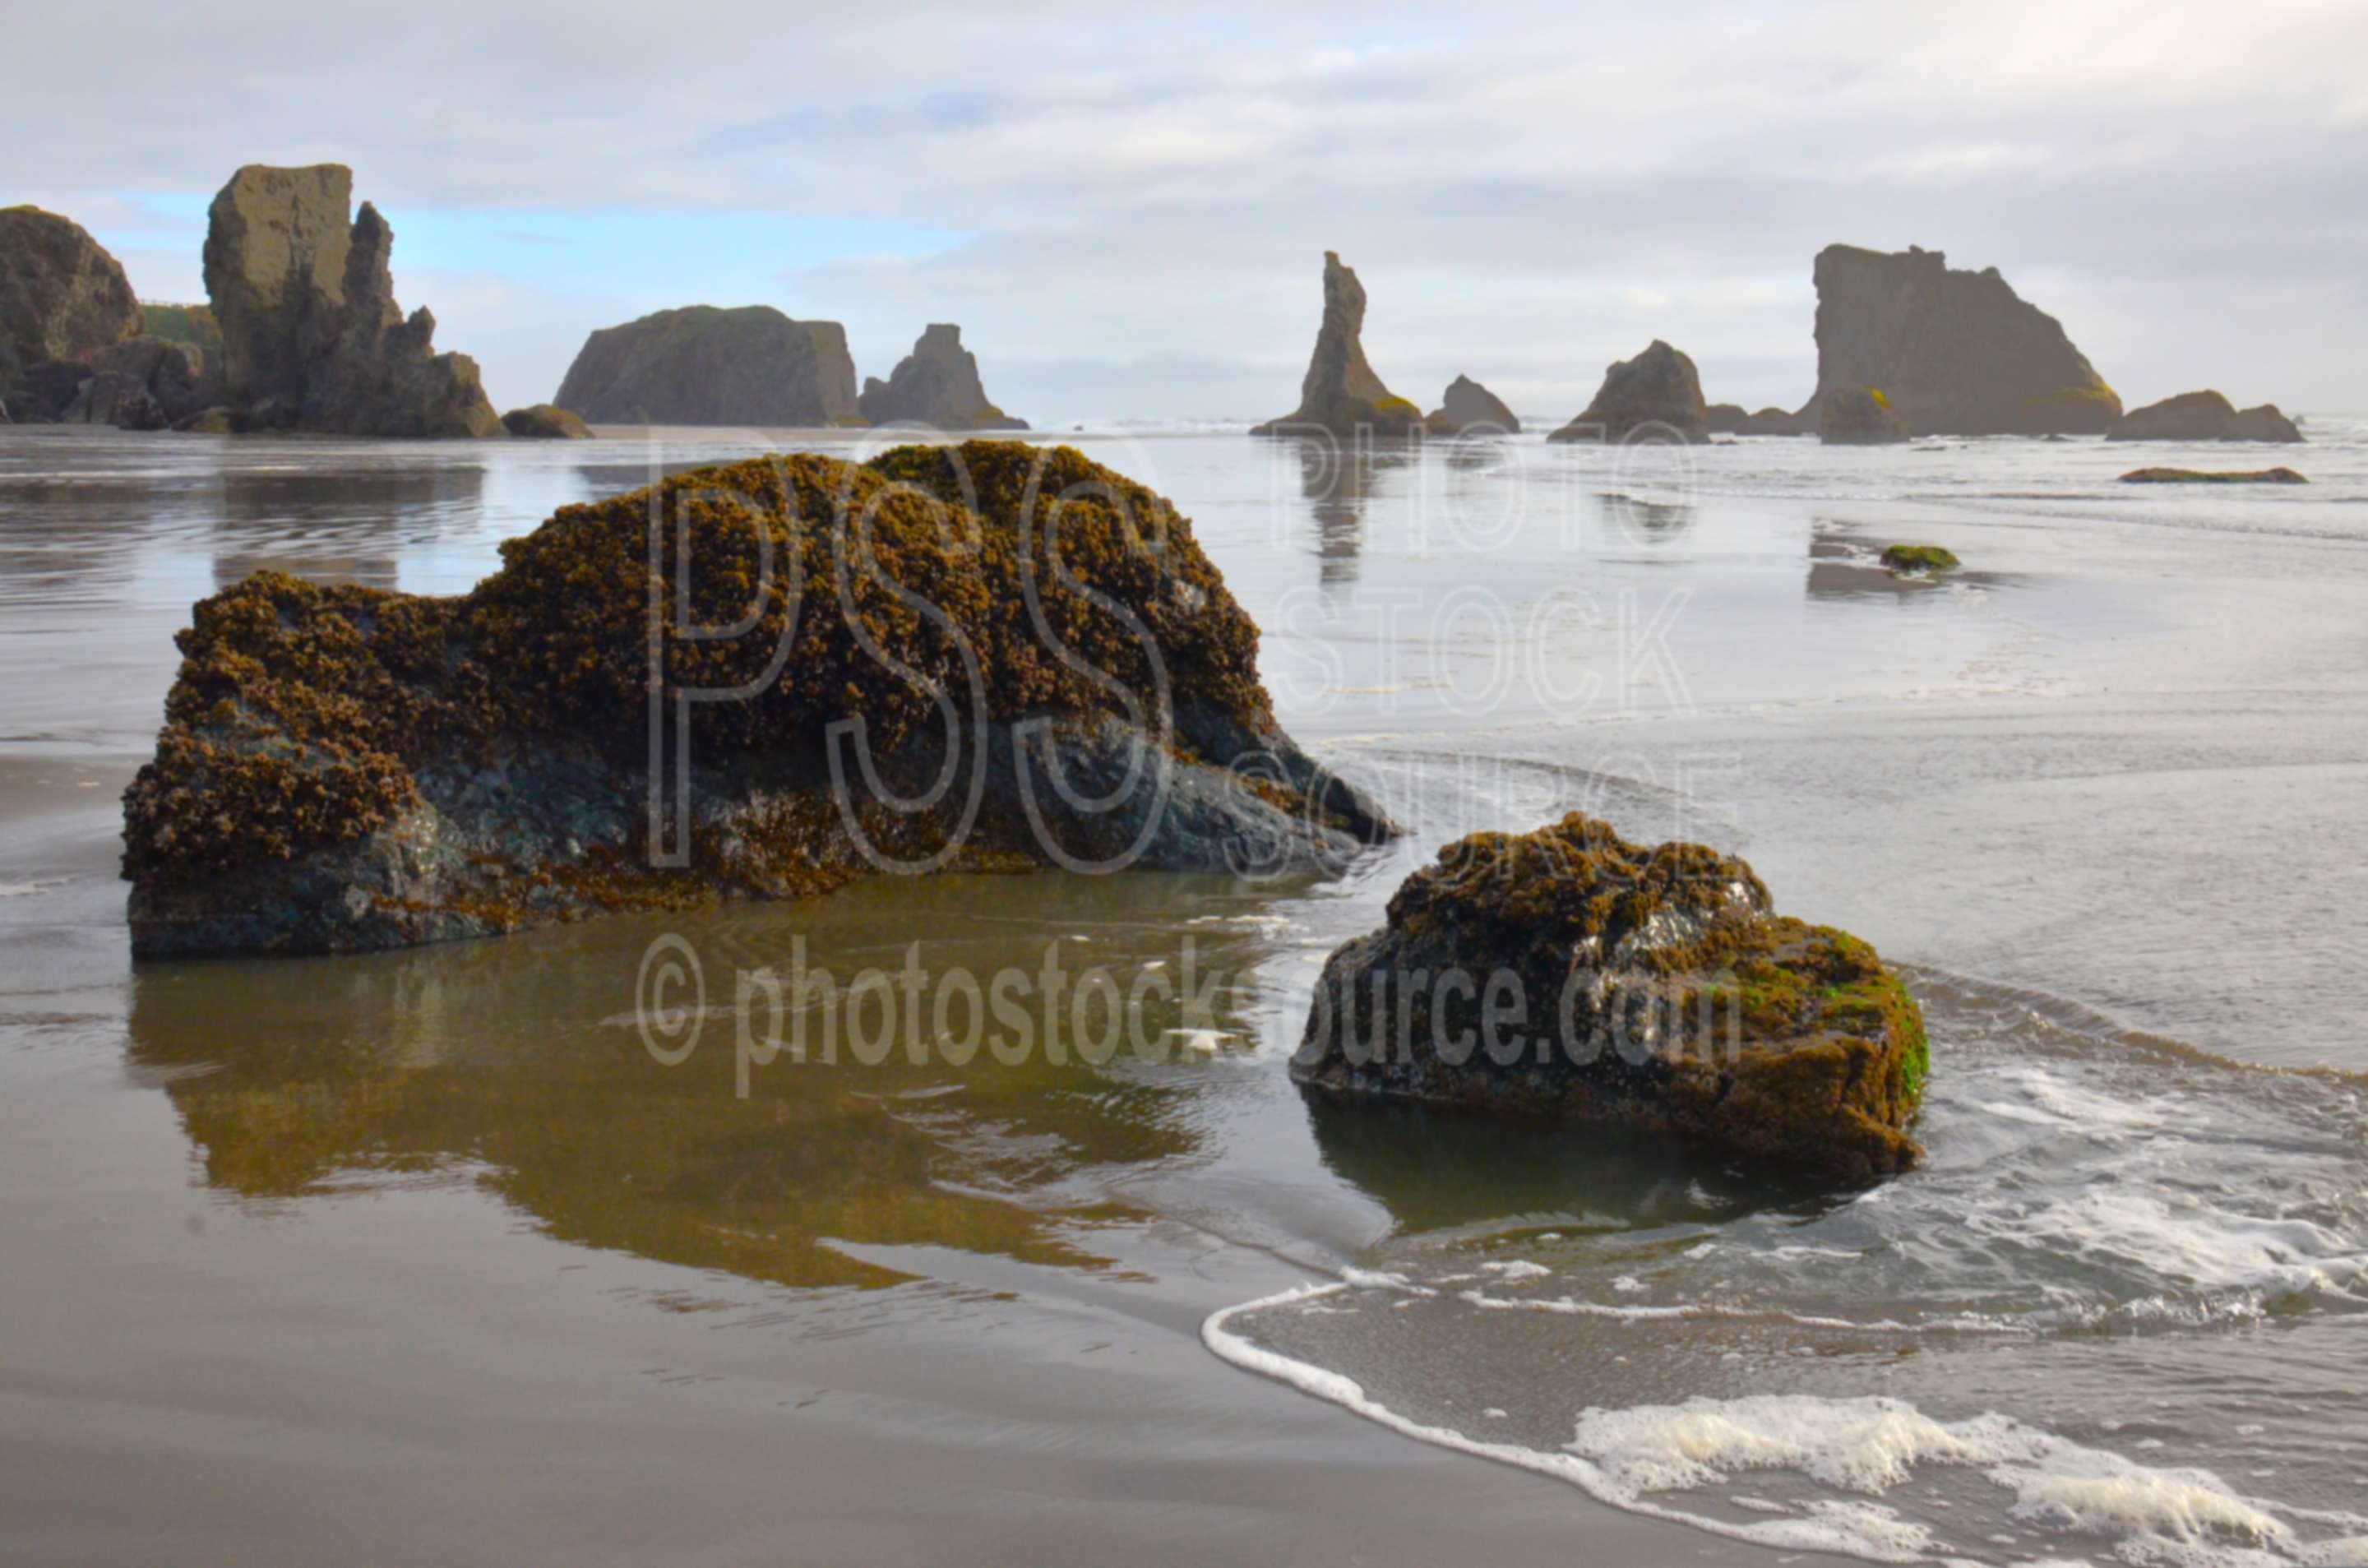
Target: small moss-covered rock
(1927,559)
(2201,476)
(1570,974)
(545,422)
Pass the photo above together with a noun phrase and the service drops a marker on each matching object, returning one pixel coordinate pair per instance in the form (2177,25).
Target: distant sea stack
(64,301)
(1958,353)
(1340,394)
(936,384)
(1470,409)
(1656,394)
(312,337)
(701,365)
(1859,416)
(541,422)
(2203,417)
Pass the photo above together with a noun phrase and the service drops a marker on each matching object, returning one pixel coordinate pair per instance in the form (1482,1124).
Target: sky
(1126,207)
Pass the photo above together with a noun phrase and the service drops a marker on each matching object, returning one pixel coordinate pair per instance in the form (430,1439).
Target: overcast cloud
(1126,210)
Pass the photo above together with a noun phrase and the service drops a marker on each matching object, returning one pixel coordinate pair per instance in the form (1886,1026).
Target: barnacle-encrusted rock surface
(1657,394)
(1958,353)
(937,385)
(701,365)
(1652,987)
(2203,416)
(1340,394)
(344,767)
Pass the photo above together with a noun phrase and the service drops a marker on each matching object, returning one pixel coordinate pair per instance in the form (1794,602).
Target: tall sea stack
(312,337)
(1340,394)
(700,364)
(1958,353)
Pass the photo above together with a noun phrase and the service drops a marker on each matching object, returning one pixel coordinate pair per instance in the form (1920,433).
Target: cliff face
(1658,393)
(1340,394)
(1958,353)
(936,384)
(701,365)
(312,335)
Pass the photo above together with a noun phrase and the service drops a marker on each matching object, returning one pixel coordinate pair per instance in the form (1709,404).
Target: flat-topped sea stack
(1568,973)
(1859,416)
(1958,353)
(1340,395)
(1657,396)
(345,769)
(1470,409)
(701,365)
(2203,416)
(313,339)
(935,385)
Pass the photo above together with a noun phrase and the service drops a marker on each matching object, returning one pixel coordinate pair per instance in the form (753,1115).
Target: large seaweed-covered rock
(1470,409)
(937,385)
(1958,353)
(1340,394)
(344,768)
(312,335)
(1570,974)
(1859,416)
(62,296)
(703,365)
(2203,416)
(1655,396)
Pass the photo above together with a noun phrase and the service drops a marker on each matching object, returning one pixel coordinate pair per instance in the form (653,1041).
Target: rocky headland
(1656,395)
(2203,416)
(1341,395)
(313,339)
(345,768)
(1859,416)
(1568,973)
(1958,353)
(1467,408)
(935,385)
(701,365)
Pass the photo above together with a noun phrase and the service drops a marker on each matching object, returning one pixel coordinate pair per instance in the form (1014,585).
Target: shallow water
(2103,795)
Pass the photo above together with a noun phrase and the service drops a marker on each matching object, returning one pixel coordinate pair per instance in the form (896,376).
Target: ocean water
(2103,796)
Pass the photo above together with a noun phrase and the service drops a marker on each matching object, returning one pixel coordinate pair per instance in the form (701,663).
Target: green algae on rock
(2201,476)
(1568,974)
(344,767)
(1925,558)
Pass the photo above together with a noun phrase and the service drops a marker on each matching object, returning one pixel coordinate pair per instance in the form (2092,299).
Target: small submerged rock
(1929,558)
(2201,476)
(1570,974)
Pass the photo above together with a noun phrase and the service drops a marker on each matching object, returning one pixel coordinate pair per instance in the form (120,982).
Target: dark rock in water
(701,365)
(1777,421)
(1927,559)
(44,393)
(1470,409)
(1958,353)
(208,421)
(344,767)
(1340,395)
(1655,396)
(2199,476)
(2203,416)
(1568,974)
(63,298)
(1859,416)
(305,304)
(1726,418)
(141,383)
(544,422)
(935,385)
